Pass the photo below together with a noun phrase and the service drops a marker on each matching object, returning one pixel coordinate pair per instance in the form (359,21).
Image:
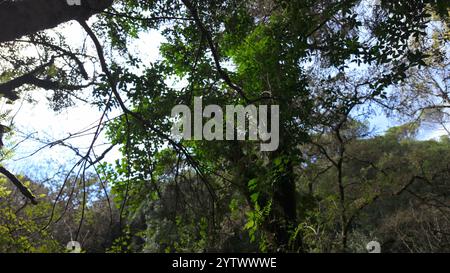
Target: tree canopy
(332,185)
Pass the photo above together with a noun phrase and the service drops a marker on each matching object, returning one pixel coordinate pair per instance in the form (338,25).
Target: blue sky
(41,122)
(38,121)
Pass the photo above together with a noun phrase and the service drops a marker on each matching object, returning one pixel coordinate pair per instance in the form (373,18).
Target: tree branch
(24,17)
(23,189)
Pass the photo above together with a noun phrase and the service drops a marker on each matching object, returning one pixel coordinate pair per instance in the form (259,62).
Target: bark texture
(23,17)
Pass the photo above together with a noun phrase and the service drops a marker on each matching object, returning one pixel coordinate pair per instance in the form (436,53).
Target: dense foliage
(331,186)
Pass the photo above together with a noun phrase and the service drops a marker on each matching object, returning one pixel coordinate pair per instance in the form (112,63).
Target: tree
(384,178)
(424,95)
(266,48)
(20,232)
(301,55)
(25,17)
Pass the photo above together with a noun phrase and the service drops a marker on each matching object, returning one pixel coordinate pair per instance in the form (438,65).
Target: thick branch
(24,17)
(7,88)
(8,91)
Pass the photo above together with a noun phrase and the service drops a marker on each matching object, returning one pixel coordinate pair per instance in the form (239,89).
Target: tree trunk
(24,17)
